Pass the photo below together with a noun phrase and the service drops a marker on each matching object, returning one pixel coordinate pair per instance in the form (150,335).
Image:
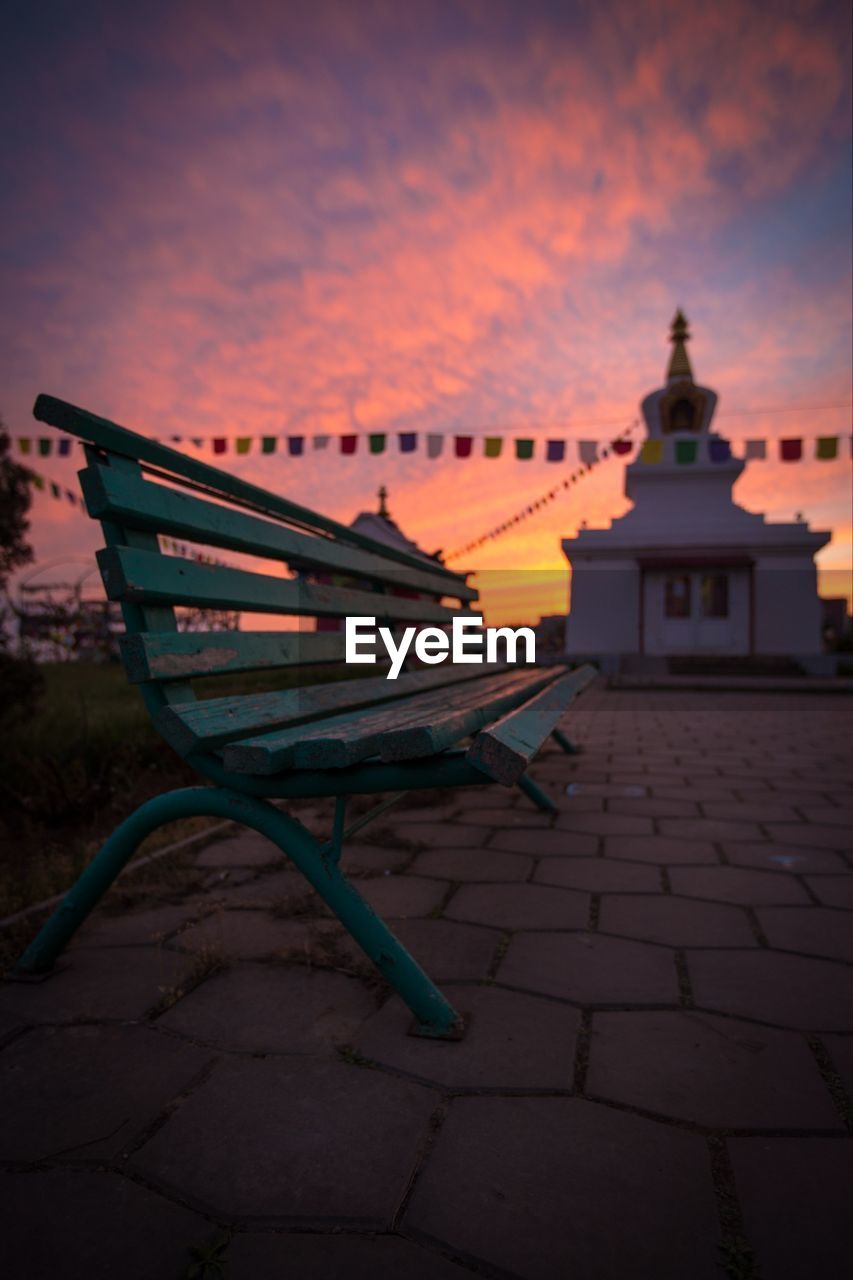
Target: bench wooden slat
(453,723)
(504,749)
(147,576)
(112,495)
(184,655)
(209,724)
(129,444)
(349,738)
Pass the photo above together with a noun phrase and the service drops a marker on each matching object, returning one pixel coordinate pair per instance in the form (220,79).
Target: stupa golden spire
(679,361)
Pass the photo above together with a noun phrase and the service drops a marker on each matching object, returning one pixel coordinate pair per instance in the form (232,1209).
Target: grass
(83,762)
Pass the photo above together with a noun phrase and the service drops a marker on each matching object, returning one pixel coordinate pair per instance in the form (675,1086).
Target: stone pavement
(657,1080)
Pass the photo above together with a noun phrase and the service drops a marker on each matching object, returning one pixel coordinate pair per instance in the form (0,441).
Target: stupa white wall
(686,570)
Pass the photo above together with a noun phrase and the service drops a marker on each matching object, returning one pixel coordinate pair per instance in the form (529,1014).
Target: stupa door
(696,611)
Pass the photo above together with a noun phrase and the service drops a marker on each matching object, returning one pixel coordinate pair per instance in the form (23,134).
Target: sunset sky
(269,217)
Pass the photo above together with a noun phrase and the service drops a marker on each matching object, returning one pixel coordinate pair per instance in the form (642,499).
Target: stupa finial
(382,495)
(679,361)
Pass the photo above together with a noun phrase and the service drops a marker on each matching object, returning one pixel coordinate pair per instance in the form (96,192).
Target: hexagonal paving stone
(547,1187)
(295,1140)
(519,906)
(817,931)
(660,849)
(709,829)
(448,950)
(374,858)
(708,1070)
(605,824)
(396,897)
(546,844)
(736,885)
(472,864)
(590,968)
(834,891)
(132,928)
(505,818)
(513,1041)
(677,922)
(246,849)
(242,935)
(86,1091)
(272,1008)
(598,875)
(789,991)
(86,1225)
(812,836)
(783,857)
(439,835)
(254,1256)
(108,984)
(284,888)
(811,1178)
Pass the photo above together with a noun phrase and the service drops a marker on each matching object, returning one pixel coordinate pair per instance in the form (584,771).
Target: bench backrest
(140,489)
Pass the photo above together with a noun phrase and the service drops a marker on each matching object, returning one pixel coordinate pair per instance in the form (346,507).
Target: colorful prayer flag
(408,441)
(376,442)
(54,490)
(349,444)
(790,450)
(24,444)
(555,450)
(295,446)
(523,450)
(756,449)
(463,446)
(38,481)
(719,450)
(219,445)
(243,444)
(44,448)
(622,446)
(588,451)
(435,444)
(492,446)
(685,451)
(63,447)
(268,444)
(652,451)
(826,448)
(321,442)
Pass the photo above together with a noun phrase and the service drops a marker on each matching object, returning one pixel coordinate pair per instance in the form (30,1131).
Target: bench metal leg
(570,748)
(537,795)
(434,1015)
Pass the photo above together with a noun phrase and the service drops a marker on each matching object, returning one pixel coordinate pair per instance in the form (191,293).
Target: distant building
(687,571)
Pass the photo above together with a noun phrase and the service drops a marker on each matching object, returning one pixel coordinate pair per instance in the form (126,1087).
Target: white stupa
(686,570)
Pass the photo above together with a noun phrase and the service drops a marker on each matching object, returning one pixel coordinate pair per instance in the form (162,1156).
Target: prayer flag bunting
(685,451)
(588,451)
(555,450)
(523,450)
(243,444)
(623,446)
(219,445)
(463,446)
(719,450)
(38,481)
(54,490)
(295,446)
(63,447)
(790,450)
(268,444)
(376,442)
(827,447)
(24,444)
(652,451)
(321,442)
(756,449)
(408,441)
(492,446)
(348,444)
(44,448)
(435,444)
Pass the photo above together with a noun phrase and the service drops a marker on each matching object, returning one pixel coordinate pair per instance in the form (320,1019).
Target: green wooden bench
(439,726)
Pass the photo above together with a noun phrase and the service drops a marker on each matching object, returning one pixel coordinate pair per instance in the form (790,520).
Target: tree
(20,680)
